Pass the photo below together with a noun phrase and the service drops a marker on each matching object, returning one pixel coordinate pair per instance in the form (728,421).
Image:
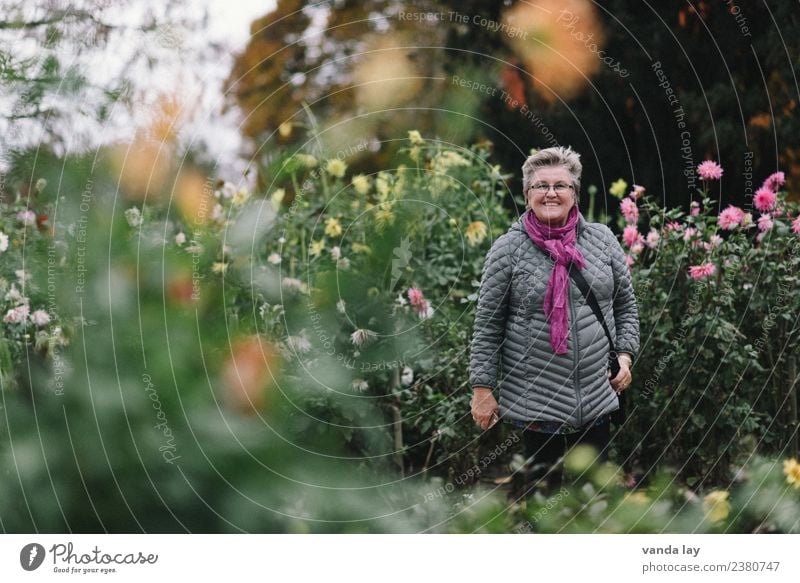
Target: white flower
(228,190)
(17,315)
(133,216)
(361,335)
(3,242)
(195,249)
(274,258)
(343,263)
(241,196)
(407,377)
(340,306)
(216,212)
(360,385)
(292,283)
(281,240)
(22,275)
(336,253)
(426,313)
(299,343)
(637,248)
(40,318)
(40,184)
(180,238)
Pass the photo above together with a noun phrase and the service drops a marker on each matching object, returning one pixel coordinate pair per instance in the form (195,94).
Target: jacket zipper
(575,345)
(575,350)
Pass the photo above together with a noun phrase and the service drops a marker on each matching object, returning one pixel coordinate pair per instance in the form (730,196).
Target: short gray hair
(550,157)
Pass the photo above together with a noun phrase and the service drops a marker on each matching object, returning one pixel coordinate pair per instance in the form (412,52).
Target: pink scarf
(559,243)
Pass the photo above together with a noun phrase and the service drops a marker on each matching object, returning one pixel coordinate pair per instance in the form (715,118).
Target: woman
(536,340)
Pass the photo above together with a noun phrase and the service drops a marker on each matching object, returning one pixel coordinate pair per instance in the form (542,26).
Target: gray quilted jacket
(510,348)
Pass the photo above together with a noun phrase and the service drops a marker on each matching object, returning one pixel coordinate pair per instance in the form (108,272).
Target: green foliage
(274,364)
(714,380)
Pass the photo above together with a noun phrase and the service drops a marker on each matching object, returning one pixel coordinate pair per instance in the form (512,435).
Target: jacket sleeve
(490,315)
(626,313)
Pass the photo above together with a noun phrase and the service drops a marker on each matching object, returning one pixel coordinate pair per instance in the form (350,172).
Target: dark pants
(543,450)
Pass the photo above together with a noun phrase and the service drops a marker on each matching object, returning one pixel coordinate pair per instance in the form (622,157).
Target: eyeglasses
(544,187)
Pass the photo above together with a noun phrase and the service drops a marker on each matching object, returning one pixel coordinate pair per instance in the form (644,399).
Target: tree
(532,74)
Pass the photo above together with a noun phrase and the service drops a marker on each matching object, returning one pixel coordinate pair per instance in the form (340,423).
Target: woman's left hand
(623,379)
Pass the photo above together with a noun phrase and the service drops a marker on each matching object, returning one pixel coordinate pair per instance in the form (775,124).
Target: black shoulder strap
(583,285)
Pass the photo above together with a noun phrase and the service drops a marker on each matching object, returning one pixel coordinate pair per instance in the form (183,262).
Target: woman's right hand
(485,410)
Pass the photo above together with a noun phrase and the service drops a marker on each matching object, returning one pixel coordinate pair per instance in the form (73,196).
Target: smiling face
(551,207)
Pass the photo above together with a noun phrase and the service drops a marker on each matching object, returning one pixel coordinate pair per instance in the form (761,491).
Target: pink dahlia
(765,223)
(673,226)
(630,210)
(764,199)
(637,192)
(17,315)
(709,170)
(415,297)
(695,208)
(702,270)
(631,235)
(26,217)
(652,239)
(730,218)
(796,225)
(775,181)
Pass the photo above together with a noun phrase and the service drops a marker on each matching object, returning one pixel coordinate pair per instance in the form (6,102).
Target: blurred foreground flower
(560,40)
(361,335)
(716,505)
(791,469)
(384,75)
(248,372)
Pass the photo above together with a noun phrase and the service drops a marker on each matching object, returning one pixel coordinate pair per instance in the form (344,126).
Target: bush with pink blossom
(718,297)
